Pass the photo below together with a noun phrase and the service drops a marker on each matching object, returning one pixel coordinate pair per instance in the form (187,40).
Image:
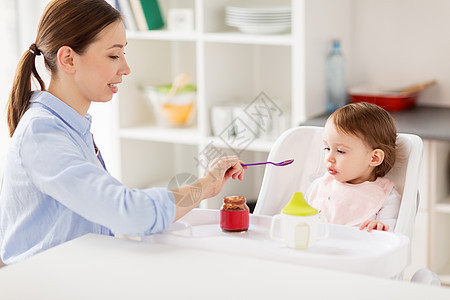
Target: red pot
(390,102)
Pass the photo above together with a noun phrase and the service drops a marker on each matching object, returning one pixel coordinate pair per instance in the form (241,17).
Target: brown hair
(73,23)
(373,125)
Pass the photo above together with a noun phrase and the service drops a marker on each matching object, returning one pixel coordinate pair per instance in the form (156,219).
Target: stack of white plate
(259,18)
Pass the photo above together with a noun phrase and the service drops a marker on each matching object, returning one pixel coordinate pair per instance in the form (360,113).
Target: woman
(55,186)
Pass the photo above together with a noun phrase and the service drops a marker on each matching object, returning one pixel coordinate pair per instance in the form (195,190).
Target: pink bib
(349,204)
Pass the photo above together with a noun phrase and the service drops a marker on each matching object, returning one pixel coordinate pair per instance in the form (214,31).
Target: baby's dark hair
(374,126)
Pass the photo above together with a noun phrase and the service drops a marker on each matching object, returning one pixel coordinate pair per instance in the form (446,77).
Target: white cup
(298,232)
(221,119)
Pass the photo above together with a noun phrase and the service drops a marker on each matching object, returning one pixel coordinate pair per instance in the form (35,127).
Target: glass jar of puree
(234,214)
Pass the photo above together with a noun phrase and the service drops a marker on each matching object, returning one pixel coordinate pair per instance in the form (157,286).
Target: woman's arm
(64,169)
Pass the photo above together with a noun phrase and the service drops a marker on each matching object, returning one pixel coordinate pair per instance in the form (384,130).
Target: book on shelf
(147,14)
(128,18)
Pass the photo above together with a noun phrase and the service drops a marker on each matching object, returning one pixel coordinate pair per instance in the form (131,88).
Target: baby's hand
(373,224)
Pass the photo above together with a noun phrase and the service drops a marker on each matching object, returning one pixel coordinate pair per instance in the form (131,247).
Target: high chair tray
(376,253)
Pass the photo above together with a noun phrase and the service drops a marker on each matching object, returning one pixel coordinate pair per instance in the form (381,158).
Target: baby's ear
(377,157)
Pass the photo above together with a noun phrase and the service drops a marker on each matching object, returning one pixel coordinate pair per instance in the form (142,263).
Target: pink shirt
(349,204)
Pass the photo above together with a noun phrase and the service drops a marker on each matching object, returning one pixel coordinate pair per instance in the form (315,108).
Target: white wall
(18,23)
(8,51)
(9,56)
(399,42)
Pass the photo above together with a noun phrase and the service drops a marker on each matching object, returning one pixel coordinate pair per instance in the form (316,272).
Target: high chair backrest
(304,144)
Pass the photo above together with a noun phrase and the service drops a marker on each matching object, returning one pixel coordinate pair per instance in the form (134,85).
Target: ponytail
(19,98)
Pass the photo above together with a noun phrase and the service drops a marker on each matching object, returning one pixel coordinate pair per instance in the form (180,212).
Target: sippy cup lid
(298,206)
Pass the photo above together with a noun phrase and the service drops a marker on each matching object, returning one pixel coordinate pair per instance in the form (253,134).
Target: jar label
(234,220)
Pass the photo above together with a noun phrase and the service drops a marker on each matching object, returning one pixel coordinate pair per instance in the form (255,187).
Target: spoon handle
(254,164)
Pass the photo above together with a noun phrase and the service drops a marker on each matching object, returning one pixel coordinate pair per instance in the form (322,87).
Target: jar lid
(298,206)
(234,199)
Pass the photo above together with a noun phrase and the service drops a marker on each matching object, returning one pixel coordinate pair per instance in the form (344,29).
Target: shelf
(444,206)
(188,136)
(164,35)
(220,37)
(255,145)
(242,38)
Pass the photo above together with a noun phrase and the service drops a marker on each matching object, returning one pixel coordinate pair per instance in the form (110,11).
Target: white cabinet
(227,67)
(431,242)
(439,208)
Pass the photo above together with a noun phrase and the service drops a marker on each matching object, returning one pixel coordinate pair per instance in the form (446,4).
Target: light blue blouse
(54,190)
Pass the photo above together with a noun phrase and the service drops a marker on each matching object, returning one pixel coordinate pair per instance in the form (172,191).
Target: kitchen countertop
(428,122)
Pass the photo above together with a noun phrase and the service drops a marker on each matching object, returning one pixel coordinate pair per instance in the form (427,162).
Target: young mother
(55,186)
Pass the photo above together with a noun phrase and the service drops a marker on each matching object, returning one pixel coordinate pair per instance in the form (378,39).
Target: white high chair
(304,144)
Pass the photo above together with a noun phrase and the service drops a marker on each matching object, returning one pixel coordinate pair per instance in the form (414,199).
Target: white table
(102,267)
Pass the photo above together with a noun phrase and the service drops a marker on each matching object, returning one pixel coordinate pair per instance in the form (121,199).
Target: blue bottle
(335,78)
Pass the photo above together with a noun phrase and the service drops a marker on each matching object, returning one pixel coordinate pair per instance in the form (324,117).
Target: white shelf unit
(439,208)
(227,66)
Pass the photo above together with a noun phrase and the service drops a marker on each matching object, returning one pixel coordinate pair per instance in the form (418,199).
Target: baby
(359,144)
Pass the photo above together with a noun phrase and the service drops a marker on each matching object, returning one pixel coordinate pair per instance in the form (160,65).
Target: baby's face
(347,157)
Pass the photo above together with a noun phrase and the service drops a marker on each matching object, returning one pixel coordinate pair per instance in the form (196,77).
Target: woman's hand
(374,224)
(219,171)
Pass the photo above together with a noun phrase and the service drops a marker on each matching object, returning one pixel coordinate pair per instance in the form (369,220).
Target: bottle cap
(336,44)
(298,206)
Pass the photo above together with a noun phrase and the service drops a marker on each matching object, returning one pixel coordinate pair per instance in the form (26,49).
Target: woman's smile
(113,87)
